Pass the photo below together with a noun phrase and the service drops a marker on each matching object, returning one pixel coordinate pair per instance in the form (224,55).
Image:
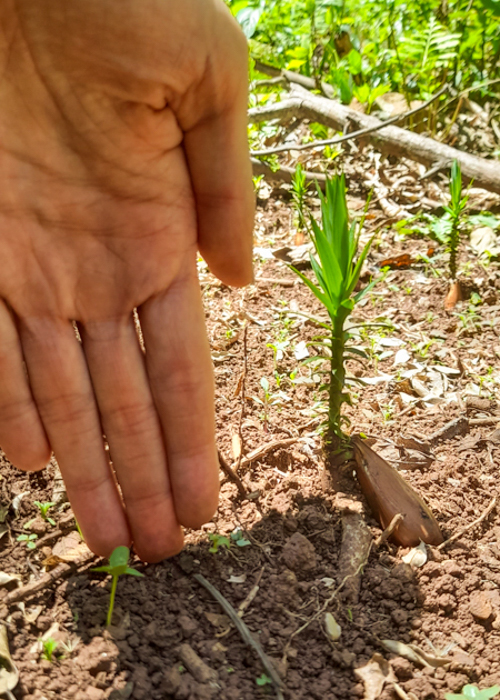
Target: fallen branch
(244,632)
(353,135)
(388,139)
(479,520)
(288,76)
(284,173)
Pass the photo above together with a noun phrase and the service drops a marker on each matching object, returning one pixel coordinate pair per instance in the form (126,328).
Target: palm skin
(122,151)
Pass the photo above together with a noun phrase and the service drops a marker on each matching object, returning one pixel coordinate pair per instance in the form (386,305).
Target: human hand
(122,149)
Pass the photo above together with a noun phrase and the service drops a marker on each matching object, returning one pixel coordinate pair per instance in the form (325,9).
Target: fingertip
(156,549)
(237,274)
(29,459)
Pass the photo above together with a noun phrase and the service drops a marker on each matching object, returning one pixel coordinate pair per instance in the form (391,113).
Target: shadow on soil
(172,640)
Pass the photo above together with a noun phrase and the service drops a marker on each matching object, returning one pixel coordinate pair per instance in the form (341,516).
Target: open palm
(122,151)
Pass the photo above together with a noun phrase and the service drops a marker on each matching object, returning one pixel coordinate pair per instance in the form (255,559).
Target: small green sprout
(29,539)
(472,692)
(263,680)
(44,511)
(218,541)
(239,539)
(118,566)
(49,647)
(299,192)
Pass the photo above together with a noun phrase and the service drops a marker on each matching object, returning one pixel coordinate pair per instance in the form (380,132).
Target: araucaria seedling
(337,268)
(299,191)
(118,566)
(454,211)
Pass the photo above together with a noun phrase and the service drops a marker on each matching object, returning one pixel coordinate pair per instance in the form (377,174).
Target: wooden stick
(482,517)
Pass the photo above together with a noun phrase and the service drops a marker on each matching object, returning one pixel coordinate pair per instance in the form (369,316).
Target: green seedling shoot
(49,648)
(337,267)
(29,539)
(472,692)
(118,566)
(263,680)
(44,511)
(218,541)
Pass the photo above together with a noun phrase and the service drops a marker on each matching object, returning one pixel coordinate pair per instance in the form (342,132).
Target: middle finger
(134,435)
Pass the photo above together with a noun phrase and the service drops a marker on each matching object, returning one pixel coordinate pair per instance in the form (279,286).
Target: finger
(22,436)
(180,374)
(63,393)
(219,164)
(133,432)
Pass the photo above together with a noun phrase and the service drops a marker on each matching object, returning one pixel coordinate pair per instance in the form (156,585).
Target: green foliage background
(361,46)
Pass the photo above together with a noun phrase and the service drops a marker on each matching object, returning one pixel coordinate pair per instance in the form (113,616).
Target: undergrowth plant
(337,267)
(49,648)
(299,192)
(118,566)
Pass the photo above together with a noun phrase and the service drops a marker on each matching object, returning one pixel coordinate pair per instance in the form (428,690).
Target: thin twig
(327,602)
(228,471)
(244,632)
(484,421)
(263,450)
(384,536)
(243,398)
(459,534)
(251,596)
(61,571)
(354,135)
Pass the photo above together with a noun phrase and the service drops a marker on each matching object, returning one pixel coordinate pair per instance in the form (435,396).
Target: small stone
(402,668)
(38,527)
(171,681)
(299,553)
(195,665)
(480,605)
(451,567)
(187,625)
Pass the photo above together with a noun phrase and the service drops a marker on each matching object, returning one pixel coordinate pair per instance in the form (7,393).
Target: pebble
(299,553)
(480,605)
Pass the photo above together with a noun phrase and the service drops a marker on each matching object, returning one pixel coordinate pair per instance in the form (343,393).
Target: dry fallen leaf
(415,654)
(417,556)
(70,548)
(375,674)
(8,578)
(9,675)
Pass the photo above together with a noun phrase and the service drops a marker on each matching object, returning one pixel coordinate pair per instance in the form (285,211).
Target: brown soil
(171,639)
